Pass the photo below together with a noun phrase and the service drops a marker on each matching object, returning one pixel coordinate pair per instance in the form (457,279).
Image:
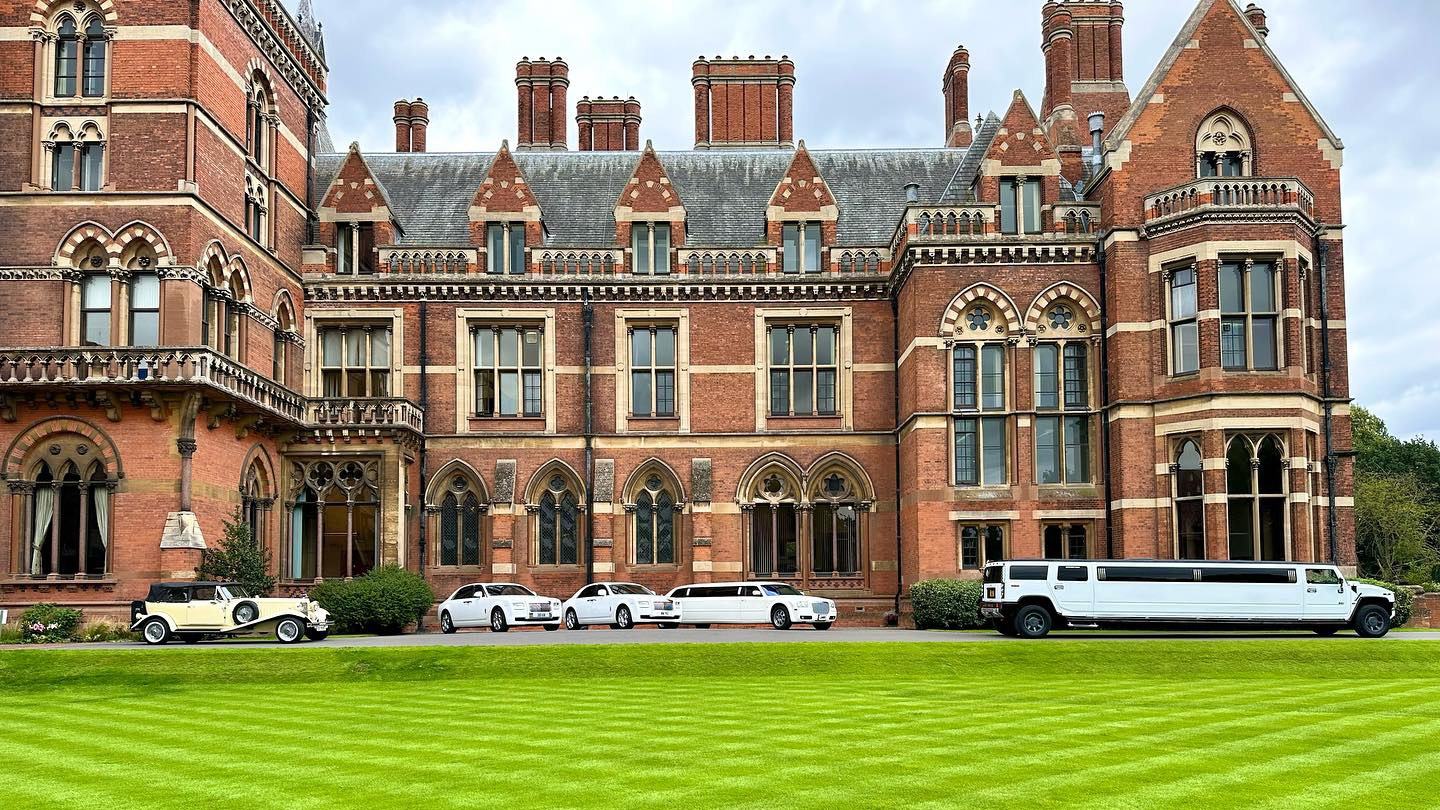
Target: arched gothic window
(460,534)
(283,337)
(656,522)
(257,116)
(1189,515)
(774,524)
(557,528)
(334,519)
(1062,396)
(1255,473)
(76,156)
(835,526)
(1223,147)
(79,58)
(66,501)
(978,399)
(256,498)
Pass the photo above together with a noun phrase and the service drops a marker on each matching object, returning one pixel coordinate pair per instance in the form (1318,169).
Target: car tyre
(623,619)
(447,624)
(497,621)
(316,635)
(289,630)
(155,632)
(572,621)
(1033,621)
(245,612)
(1326,631)
(551,627)
(823,625)
(780,617)
(1371,621)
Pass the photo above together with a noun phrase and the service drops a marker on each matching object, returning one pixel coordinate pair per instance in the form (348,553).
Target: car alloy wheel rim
(777,618)
(154,632)
(445,623)
(1373,622)
(495,621)
(1033,624)
(570,621)
(288,631)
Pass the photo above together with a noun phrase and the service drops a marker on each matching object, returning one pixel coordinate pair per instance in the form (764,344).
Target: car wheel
(1326,631)
(155,631)
(497,621)
(550,627)
(823,625)
(669,625)
(572,621)
(623,619)
(246,612)
(447,624)
(1371,621)
(1003,627)
(289,630)
(1033,621)
(316,635)
(780,617)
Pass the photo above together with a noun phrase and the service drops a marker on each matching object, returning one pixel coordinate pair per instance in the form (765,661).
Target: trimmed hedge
(384,601)
(1404,600)
(46,623)
(946,604)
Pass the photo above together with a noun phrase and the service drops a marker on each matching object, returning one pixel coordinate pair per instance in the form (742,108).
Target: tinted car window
(1322,576)
(509,590)
(1146,573)
(994,573)
(175,595)
(1275,576)
(630,588)
(465,592)
(780,589)
(1074,573)
(204,593)
(1029,571)
(680,592)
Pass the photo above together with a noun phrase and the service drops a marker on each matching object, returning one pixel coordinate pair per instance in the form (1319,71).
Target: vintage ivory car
(190,611)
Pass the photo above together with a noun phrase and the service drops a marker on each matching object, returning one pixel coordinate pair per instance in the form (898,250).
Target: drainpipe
(424,432)
(1105,396)
(895,351)
(1322,251)
(587,326)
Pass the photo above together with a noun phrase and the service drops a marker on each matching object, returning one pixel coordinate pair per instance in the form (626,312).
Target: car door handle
(1059,587)
(1310,590)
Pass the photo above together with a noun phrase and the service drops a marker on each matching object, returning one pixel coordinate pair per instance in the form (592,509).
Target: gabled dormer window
(801,244)
(1223,147)
(1019,205)
(650,246)
(354,246)
(505,248)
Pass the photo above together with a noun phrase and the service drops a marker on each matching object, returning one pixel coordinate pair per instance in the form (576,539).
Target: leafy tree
(238,559)
(1393,525)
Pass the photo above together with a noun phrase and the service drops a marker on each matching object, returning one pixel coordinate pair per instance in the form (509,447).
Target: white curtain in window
(100,495)
(44,510)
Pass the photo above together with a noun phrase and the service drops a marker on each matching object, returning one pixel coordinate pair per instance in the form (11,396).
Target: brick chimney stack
(608,124)
(540,89)
(419,122)
(1084,58)
(744,102)
(1256,16)
(402,126)
(956,87)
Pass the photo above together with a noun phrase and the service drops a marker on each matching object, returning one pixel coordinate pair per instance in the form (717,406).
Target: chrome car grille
(820,607)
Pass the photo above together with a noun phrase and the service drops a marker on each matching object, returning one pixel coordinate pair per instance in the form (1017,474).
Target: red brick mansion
(1108,325)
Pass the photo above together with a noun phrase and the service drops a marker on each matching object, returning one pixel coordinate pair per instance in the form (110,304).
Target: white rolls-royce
(499,605)
(777,603)
(621,605)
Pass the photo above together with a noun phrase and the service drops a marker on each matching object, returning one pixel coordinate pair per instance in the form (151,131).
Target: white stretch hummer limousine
(1029,597)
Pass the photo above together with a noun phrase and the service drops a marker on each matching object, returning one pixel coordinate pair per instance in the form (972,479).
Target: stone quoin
(1112,326)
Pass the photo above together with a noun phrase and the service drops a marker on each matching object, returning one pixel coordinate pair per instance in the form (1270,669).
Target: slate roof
(724,191)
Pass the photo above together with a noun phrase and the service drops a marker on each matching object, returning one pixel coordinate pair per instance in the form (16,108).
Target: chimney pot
(402,126)
(744,103)
(1256,16)
(912,192)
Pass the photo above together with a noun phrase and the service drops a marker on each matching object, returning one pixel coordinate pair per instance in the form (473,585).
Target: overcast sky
(868,74)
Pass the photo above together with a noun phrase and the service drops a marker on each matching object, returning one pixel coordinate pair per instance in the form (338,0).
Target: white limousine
(777,603)
(1029,597)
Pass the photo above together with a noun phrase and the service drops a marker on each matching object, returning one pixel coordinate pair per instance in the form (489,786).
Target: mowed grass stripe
(850,725)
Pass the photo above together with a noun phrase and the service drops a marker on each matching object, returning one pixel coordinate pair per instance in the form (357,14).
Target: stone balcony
(1230,198)
(146,369)
(345,414)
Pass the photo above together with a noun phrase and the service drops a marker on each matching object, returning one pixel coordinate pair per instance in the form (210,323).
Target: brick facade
(1053,334)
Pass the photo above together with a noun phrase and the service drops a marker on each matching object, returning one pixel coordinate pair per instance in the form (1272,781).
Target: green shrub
(384,601)
(948,604)
(1404,599)
(47,624)
(238,559)
(11,635)
(105,630)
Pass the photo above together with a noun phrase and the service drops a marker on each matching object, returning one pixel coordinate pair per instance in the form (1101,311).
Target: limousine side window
(1240,576)
(1322,576)
(1040,572)
(1146,573)
(1074,573)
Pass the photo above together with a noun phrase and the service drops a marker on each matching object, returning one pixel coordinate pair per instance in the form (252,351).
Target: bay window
(978,389)
(355,360)
(1184,331)
(1249,316)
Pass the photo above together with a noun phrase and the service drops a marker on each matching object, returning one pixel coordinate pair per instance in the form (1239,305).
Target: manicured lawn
(1114,724)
